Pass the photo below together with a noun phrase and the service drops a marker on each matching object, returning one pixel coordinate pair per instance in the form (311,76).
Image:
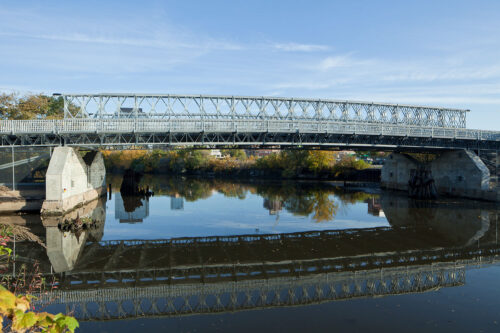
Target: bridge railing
(124,126)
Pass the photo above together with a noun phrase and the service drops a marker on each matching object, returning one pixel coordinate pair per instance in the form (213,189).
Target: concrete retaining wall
(72,181)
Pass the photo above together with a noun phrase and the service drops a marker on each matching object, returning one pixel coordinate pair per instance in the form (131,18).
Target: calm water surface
(215,255)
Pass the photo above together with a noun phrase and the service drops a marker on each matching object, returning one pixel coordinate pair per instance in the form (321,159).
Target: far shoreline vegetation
(288,164)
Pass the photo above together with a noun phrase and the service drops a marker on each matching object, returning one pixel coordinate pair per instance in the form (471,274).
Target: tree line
(30,106)
(287,163)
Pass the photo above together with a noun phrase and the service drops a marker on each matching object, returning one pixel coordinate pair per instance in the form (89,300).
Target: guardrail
(123,126)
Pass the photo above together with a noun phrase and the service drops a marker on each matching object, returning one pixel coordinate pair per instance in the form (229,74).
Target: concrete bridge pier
(458,173)
(73,180)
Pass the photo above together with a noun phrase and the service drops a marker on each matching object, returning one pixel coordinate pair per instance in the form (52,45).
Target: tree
(8,104)
(319,160)
(31,106)
(238,154)
(56,108)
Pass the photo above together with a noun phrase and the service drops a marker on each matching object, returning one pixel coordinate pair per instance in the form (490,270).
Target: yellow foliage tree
(15,308)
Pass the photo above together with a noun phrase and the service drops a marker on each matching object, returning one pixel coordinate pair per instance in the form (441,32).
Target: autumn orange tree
(293,162)
(31,106)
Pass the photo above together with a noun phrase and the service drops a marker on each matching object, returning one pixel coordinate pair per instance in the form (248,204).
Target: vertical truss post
(136,107)
(66,107)
(100,109)
(497,162)
(202,110)
(13,171)
(232,108)
(83,106)
(317,110)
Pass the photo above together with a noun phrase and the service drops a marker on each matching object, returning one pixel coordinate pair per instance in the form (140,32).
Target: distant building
(137,216)
(215,153)
(263,152)
(274,206)
(131,113)
(374,207)
(176,203)
(345,153)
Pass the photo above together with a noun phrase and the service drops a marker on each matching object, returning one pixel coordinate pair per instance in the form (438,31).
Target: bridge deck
(239,132)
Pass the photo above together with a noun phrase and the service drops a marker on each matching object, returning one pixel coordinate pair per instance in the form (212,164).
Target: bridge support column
(396,171)
(73,180)
(459,173)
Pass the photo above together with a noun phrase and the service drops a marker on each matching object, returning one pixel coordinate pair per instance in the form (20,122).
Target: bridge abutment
(458,173)
(73,180)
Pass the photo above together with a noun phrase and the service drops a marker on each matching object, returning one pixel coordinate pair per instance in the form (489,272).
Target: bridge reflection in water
(426,248)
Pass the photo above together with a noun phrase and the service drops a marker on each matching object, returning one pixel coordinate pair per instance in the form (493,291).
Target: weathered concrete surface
(72,181)
(396,171)
(458,173)
(461,174)
(95,209)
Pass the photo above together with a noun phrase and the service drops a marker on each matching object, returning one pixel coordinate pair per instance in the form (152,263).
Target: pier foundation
(73,180)
(459,173)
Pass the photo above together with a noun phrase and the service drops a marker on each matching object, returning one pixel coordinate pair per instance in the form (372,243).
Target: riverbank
(25,199)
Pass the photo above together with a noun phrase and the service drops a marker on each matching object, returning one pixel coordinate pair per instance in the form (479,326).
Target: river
(211,255)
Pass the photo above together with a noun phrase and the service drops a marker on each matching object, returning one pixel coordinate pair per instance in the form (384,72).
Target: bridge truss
(102,106)
(179,282)
(208,121)
(186,299)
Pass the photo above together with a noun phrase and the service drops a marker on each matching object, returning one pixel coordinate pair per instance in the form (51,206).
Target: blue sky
(443,53)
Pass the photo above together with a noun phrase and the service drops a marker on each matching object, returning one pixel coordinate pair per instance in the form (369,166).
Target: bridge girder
(247,140)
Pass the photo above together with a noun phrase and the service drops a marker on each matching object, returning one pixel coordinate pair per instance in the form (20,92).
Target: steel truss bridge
(172,277)
(121,121)
(231,296)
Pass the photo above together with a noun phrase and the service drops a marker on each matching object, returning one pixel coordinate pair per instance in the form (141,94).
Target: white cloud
(334,62)
(207,43)
(295,47)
